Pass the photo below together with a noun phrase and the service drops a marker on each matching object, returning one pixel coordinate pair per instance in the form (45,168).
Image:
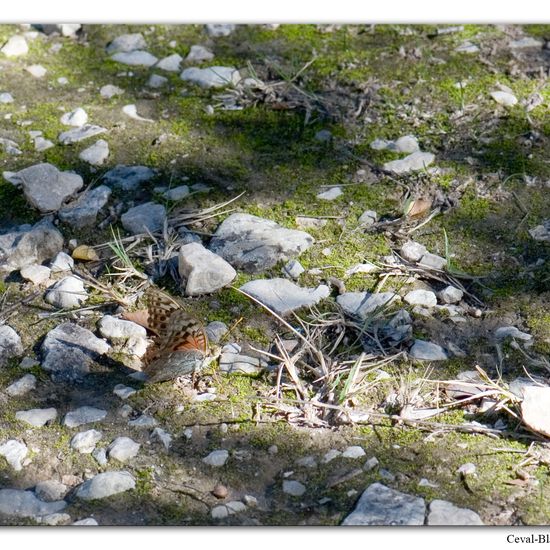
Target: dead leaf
(85,252)
(418,208)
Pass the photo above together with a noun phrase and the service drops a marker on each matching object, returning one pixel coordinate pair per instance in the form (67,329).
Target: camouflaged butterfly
(180,345)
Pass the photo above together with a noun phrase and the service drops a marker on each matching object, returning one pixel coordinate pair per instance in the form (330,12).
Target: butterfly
(180,344)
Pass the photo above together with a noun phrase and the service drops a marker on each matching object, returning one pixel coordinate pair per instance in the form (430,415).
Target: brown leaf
(85,252)
(419,207)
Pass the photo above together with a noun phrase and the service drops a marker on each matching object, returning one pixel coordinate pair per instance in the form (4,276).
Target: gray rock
(14,452)
(67,293)
(199,54)
(177,193)
(61,262)
(420,297)
(22,386)
(433,261)
(110,90)
(330,455)
(170,63)
(203,271)
(371,464)
(219,512)
(427,351)
(163,436)
(399,327)
(83,212)
(413,251)
(467,47)
(368,217)
(216,458)
(353,452)
(255,244)
(10,147)
(85,521)
(76,118)
(96,154)
(215,331)
(123,449)
(28,363)
(380,505)
(145,217)
(24,504)
(116,330)
(534,408)
(41,144)
(502,333)
(450,295)
(37,417)
(15,46)
(504,98)
(526,42)
(411,163)
(283,296)
(217,29)
(156,81)
(293,269)
(233,362)
(85,442)
(365,304)
(139,58)
(83,415)
(211,77)
(79,134)
(100,456)
(45,187)
(516,386)
(128,178)
(144,421)
(124,392)
(50,490)
(10,344)
(330,194)
(541,232)
(105,485)
(405,144)
(53,519)
(324,136)
(293,488)
(126,43)
(69,351)
(445,513)
(5,98)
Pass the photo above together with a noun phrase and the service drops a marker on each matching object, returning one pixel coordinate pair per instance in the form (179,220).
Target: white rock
(445,513)
(467,47)
(330,194)
(83,415)
(124,392)
(115,329)
(135,58)
(365,304)
(131,111)
(163,436)
(96,154)
(157,81)
(411,163)
(203,271)
(217,29)
(170,63)
(283,296)
(512,332)
(534,408)
(405,144)
(85,521)
(451,295)
(361,268)
(67,293)
(38,71)
(123,449)
(14,502)
(36,274)
(198,54)
(293,488)
(126,43)
(110,90)
(427,351)
(78,134)
(368,217)
(100,456)
(77,118)
(14,452)
(371,464)
(5,98)
(293,269)
(50,490)
(106,484)
(62,262)
(37,417)
(42,144)
(331,455)
(211,77)
(22,386)
(353,452)
(85,442)
(504,98)
(425,298)
(15,46)
(143,421)
(433,261)
(216,458)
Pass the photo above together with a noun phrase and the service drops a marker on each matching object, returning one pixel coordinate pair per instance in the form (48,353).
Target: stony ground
(389,184)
